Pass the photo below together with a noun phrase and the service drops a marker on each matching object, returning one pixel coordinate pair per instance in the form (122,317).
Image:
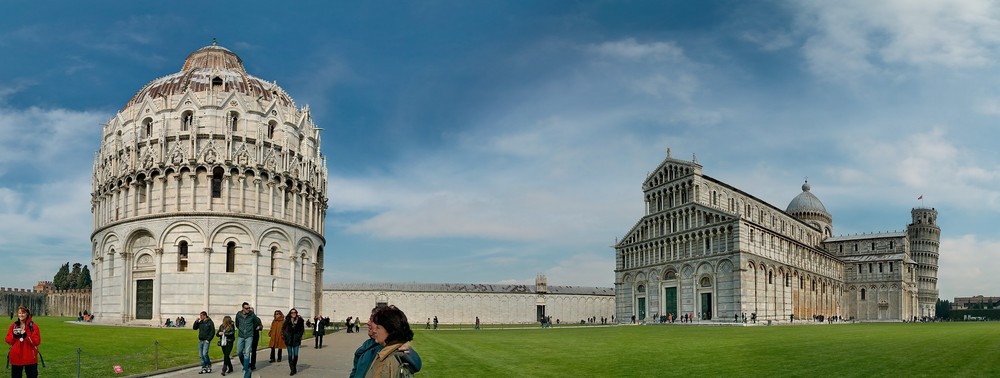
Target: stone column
(293,260)
(256,268)
(125,285)
(243,193)
(149,195)
(163,192)
(194,192)
(157,282)
(207,280)
(256,185)
(226,190)
(177,192)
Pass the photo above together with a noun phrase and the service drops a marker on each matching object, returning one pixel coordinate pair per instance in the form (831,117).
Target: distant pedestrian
(206,332)
(319,329)
(428,326)
(477,322)
(435,322)
(349,325)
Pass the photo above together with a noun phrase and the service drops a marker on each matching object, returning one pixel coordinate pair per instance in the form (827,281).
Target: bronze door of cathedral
(670,301)
(706,306)
(144,299)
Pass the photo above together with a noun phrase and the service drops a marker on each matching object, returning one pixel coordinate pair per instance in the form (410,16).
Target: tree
(73,277)
(84,281)
(59,281)
(943,308)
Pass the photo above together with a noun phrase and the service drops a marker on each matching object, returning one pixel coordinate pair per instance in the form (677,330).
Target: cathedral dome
(212,68)
(806,202)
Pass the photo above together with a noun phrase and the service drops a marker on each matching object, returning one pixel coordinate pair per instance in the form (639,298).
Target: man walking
(246,323)
(206,331)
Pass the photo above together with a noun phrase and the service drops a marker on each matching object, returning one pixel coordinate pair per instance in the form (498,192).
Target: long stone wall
(461,304)
(45,303)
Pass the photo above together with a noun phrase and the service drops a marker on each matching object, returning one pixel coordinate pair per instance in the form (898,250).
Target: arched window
(271,126)
(147,127)
(111,264)
(671,275)
(274,260)
(187,118)
(234,118)
(231,257)
(641,289)
(182,256)
(217,182)
(862,294)
(217,84)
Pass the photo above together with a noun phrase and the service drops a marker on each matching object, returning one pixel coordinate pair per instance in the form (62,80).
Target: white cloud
(968,266)
(933,163)
(631,50)
(846,40)
(45,187)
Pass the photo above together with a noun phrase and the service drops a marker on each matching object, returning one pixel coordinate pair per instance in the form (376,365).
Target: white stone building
(209,190)
(709,250)
(462,303)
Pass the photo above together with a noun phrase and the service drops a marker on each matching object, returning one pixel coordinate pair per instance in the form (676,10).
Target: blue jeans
(244,346)
(206,363)
(293,352)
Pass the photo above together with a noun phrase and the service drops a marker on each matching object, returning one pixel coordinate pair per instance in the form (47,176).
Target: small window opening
(231,257)
(182,256)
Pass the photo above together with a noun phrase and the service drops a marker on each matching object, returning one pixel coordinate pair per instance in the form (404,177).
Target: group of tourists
(386,352)
(243,332)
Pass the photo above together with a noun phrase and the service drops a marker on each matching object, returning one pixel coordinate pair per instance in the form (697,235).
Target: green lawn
(841,350)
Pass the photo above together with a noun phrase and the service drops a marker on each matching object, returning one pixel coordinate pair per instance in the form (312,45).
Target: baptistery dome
(209,190)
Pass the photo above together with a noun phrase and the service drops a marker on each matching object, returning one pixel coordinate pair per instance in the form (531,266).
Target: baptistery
(209,190)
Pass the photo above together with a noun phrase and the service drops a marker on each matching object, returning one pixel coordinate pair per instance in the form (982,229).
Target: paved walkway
(335,359)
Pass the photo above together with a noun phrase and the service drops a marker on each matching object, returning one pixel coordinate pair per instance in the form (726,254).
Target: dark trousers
(30,370)
(253,355)
(319,340)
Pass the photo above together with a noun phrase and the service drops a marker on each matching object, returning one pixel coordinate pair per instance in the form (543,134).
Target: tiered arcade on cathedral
(209,190)
(709,250)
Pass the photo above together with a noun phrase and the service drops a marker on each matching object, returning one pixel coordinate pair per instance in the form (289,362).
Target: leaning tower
(925,240)
(209,190)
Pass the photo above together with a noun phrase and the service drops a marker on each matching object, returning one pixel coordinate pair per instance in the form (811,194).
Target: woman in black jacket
(292,332)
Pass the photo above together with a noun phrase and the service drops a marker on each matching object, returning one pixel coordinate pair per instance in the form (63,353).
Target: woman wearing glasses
(292,332)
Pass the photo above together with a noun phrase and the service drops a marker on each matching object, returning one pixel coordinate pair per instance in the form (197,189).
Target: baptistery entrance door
(144,299)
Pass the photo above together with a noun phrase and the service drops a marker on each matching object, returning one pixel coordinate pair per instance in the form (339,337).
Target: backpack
(405,368)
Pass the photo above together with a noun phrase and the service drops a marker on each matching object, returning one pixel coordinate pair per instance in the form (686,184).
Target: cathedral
(209,190)
(710,251)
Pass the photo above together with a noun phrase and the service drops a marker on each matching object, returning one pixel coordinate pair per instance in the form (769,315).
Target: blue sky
(473,141)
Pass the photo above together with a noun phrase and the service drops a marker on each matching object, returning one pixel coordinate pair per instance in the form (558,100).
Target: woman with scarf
(276,341)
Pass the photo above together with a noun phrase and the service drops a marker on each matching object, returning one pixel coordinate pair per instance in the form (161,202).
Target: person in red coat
(23,337)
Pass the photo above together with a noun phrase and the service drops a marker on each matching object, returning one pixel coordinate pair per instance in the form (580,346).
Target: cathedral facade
(209,190)
(708,250)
